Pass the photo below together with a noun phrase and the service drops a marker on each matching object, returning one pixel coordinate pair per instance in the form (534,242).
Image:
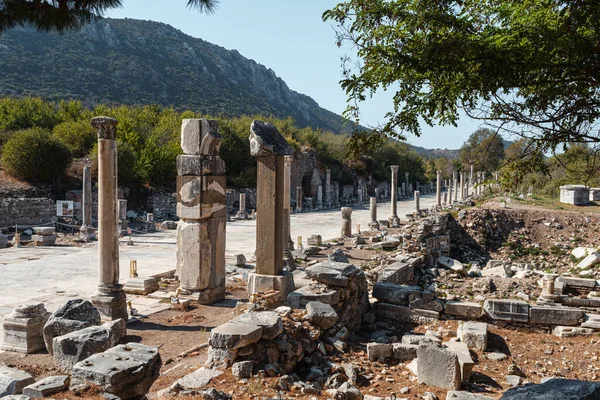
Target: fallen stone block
(240,260)
(22,329)
(424,304)
(438,367)
(451,263)
(464,309)
(394,294)
(233,335)
(338,255)
(314,240)
(400,313)
(414,339)
(376,351)
(76,346)
(44,230)
(76,314)
(405,352)
(127,370)
(460,395)
(13,380)
(47,386)
(141,285)
(332,273)
(242,369)
(555,389)
(220,358)
(501,271)
(40,240)
(589,261)
(473,334)
(118,327)
(464,358)
(555,315)
(581,252)
(300,297)
(270,322)
(321,314)
(168,225)
(570,331)
(191,382)
(507,310)
(399,273)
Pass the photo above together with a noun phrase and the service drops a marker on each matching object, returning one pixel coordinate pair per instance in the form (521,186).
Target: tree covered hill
(127,61)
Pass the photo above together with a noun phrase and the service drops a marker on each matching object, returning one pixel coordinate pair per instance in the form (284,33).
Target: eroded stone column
(374,224)
(360,194)
(407,184)
(109,298)
(242,214)
(461,192)
(438,190)
(270,148)
(288,243)
(454,187)
(328,188)
(417,202)
(393,220)
(346,222)
(299,199)
(202,207)
(86,230)
(319,197)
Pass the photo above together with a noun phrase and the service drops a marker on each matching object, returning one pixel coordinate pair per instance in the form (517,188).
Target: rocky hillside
(129,61)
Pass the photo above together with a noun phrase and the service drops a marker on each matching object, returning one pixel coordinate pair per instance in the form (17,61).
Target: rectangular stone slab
(232,335)
(507,310)
(464,358)
(555,315)
(464,309)
(399,273)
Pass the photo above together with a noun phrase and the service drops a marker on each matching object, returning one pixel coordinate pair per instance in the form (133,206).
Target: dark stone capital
(106,127)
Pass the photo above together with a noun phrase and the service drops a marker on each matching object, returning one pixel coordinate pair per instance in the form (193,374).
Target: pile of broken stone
(85,352)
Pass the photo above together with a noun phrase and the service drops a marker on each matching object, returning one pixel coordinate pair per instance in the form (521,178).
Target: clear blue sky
(289,37)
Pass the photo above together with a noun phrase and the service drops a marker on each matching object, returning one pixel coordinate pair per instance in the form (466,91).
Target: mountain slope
(128,61)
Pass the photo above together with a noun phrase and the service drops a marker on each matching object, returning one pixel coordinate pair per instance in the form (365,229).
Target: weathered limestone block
(284,283)
(473,334)
(376,351)
(394,294)
(571,331)
(40,240)
(314,240)
(232,335)
(338,256)
(405,352)
(22,329)
(507,310)
(242,369)
(127,370)
(200,137)
(192,382)
(422,303)
(400,273)
(265,140)
(401,313)
(195,165)
(73,347)
(201,197)
(118,327)
(12,380)
(451,263)
(460,395)
(302,296)
(555,315)
(464,358)
(270,322)
(220,358)
(321,314)
(414,339)
(76,314)
(464,309)
(45,230)
(438,367)
(591,260)
(332,273)
(141,285)
(201,257)
(47,386)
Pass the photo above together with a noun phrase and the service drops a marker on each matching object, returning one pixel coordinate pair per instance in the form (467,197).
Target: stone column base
(111,304)
(258,283)
(374,226)
(87,233)
(205,296)
(394,222)
(139,285)
(241,215)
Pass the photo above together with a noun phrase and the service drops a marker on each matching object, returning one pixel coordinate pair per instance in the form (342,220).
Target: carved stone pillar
(346,222)
(393,220)
(374,224)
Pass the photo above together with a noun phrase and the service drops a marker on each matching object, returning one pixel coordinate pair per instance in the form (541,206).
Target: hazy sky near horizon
(290,38)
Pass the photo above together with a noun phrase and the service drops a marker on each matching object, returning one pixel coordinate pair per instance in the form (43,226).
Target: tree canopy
(62,15)
(525,67)
(484,149)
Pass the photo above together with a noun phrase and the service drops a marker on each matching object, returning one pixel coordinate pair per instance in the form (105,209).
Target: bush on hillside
(35,155)
(78,136)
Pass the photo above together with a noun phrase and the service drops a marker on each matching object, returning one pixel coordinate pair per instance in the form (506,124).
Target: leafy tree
(531,67)
(62,15)
(35,155)
(78,136)
(484,149)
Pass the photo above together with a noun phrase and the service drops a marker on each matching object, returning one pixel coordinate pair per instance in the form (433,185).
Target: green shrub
(78,136)
(35,155)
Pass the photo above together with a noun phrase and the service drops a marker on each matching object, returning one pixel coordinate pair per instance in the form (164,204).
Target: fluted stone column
(110,297)
(242,214)
(328,200)
(299,199)
(346,222)
(453,184)
(202,209)
(461,192)
(374,224)
(438,191)
(417,202)
(270,148)
(393,220)
(86,230)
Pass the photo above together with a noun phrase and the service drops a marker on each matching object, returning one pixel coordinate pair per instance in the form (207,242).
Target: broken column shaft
(110,297)
(346,222)
(393,220)
(374,224)
(438,191)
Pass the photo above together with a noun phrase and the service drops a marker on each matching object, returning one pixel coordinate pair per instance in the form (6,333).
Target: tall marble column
(438,191)
(299,199)
(242,214)
(288,243)
(109,299)
(393,220)
(374,224)
(471,175)
(417,202)
(328,200)
(319,197)
(86,230)
(454,197)
(407,184)
(202,209)
(270,148)
(461,193)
